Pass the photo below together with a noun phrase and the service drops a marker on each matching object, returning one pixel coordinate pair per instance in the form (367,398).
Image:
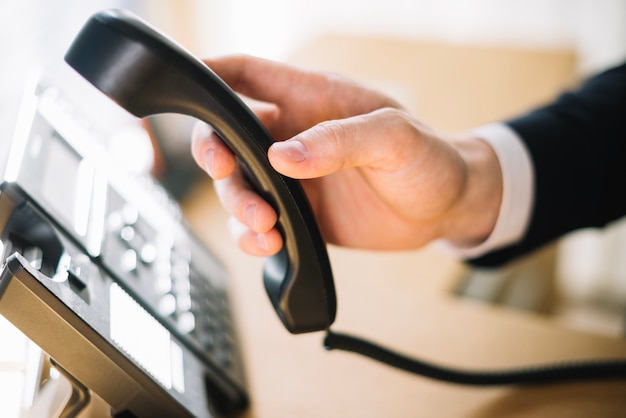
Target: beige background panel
(448,86)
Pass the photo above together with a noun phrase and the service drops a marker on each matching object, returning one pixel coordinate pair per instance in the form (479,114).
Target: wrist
(474,216)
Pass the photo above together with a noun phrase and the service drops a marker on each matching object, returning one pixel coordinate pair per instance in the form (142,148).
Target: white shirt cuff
(517,192)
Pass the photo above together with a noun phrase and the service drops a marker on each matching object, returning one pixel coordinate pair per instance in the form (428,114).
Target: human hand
(376,177)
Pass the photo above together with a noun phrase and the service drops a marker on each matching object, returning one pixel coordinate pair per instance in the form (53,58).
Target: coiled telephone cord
(554,373)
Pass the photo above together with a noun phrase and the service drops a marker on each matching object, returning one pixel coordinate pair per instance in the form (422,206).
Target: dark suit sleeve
(578,148)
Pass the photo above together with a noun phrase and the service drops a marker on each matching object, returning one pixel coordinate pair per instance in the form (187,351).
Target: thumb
(338,144)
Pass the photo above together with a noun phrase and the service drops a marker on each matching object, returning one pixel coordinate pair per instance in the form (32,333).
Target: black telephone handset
(147,73)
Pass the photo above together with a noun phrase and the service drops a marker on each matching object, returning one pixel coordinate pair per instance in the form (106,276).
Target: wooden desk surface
(399,300)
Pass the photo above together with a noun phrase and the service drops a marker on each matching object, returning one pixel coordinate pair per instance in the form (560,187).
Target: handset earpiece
(147,73)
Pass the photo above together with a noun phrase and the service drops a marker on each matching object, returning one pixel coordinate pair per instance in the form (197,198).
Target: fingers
(244,204)
(241,73)
(286,85)
(353,142)
(255,218)
(210,153)
(253,243)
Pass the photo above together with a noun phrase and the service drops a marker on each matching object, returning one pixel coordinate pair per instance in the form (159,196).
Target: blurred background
(455,63)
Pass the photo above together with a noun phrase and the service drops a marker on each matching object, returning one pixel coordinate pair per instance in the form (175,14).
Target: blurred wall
(596,30)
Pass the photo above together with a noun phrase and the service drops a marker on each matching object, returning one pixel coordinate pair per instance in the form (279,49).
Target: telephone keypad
(163,272)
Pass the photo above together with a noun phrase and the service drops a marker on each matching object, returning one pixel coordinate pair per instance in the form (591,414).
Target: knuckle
(391,114)
(333,132)
(399,121)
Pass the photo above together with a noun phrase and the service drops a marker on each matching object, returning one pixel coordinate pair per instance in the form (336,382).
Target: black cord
(601,369)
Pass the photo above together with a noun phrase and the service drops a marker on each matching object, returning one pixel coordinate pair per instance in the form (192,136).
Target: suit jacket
(578,148)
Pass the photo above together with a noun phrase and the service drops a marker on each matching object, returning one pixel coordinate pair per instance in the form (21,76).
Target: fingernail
(250,214)
(292,150)
(204,130)
(261,242)
(209,156)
